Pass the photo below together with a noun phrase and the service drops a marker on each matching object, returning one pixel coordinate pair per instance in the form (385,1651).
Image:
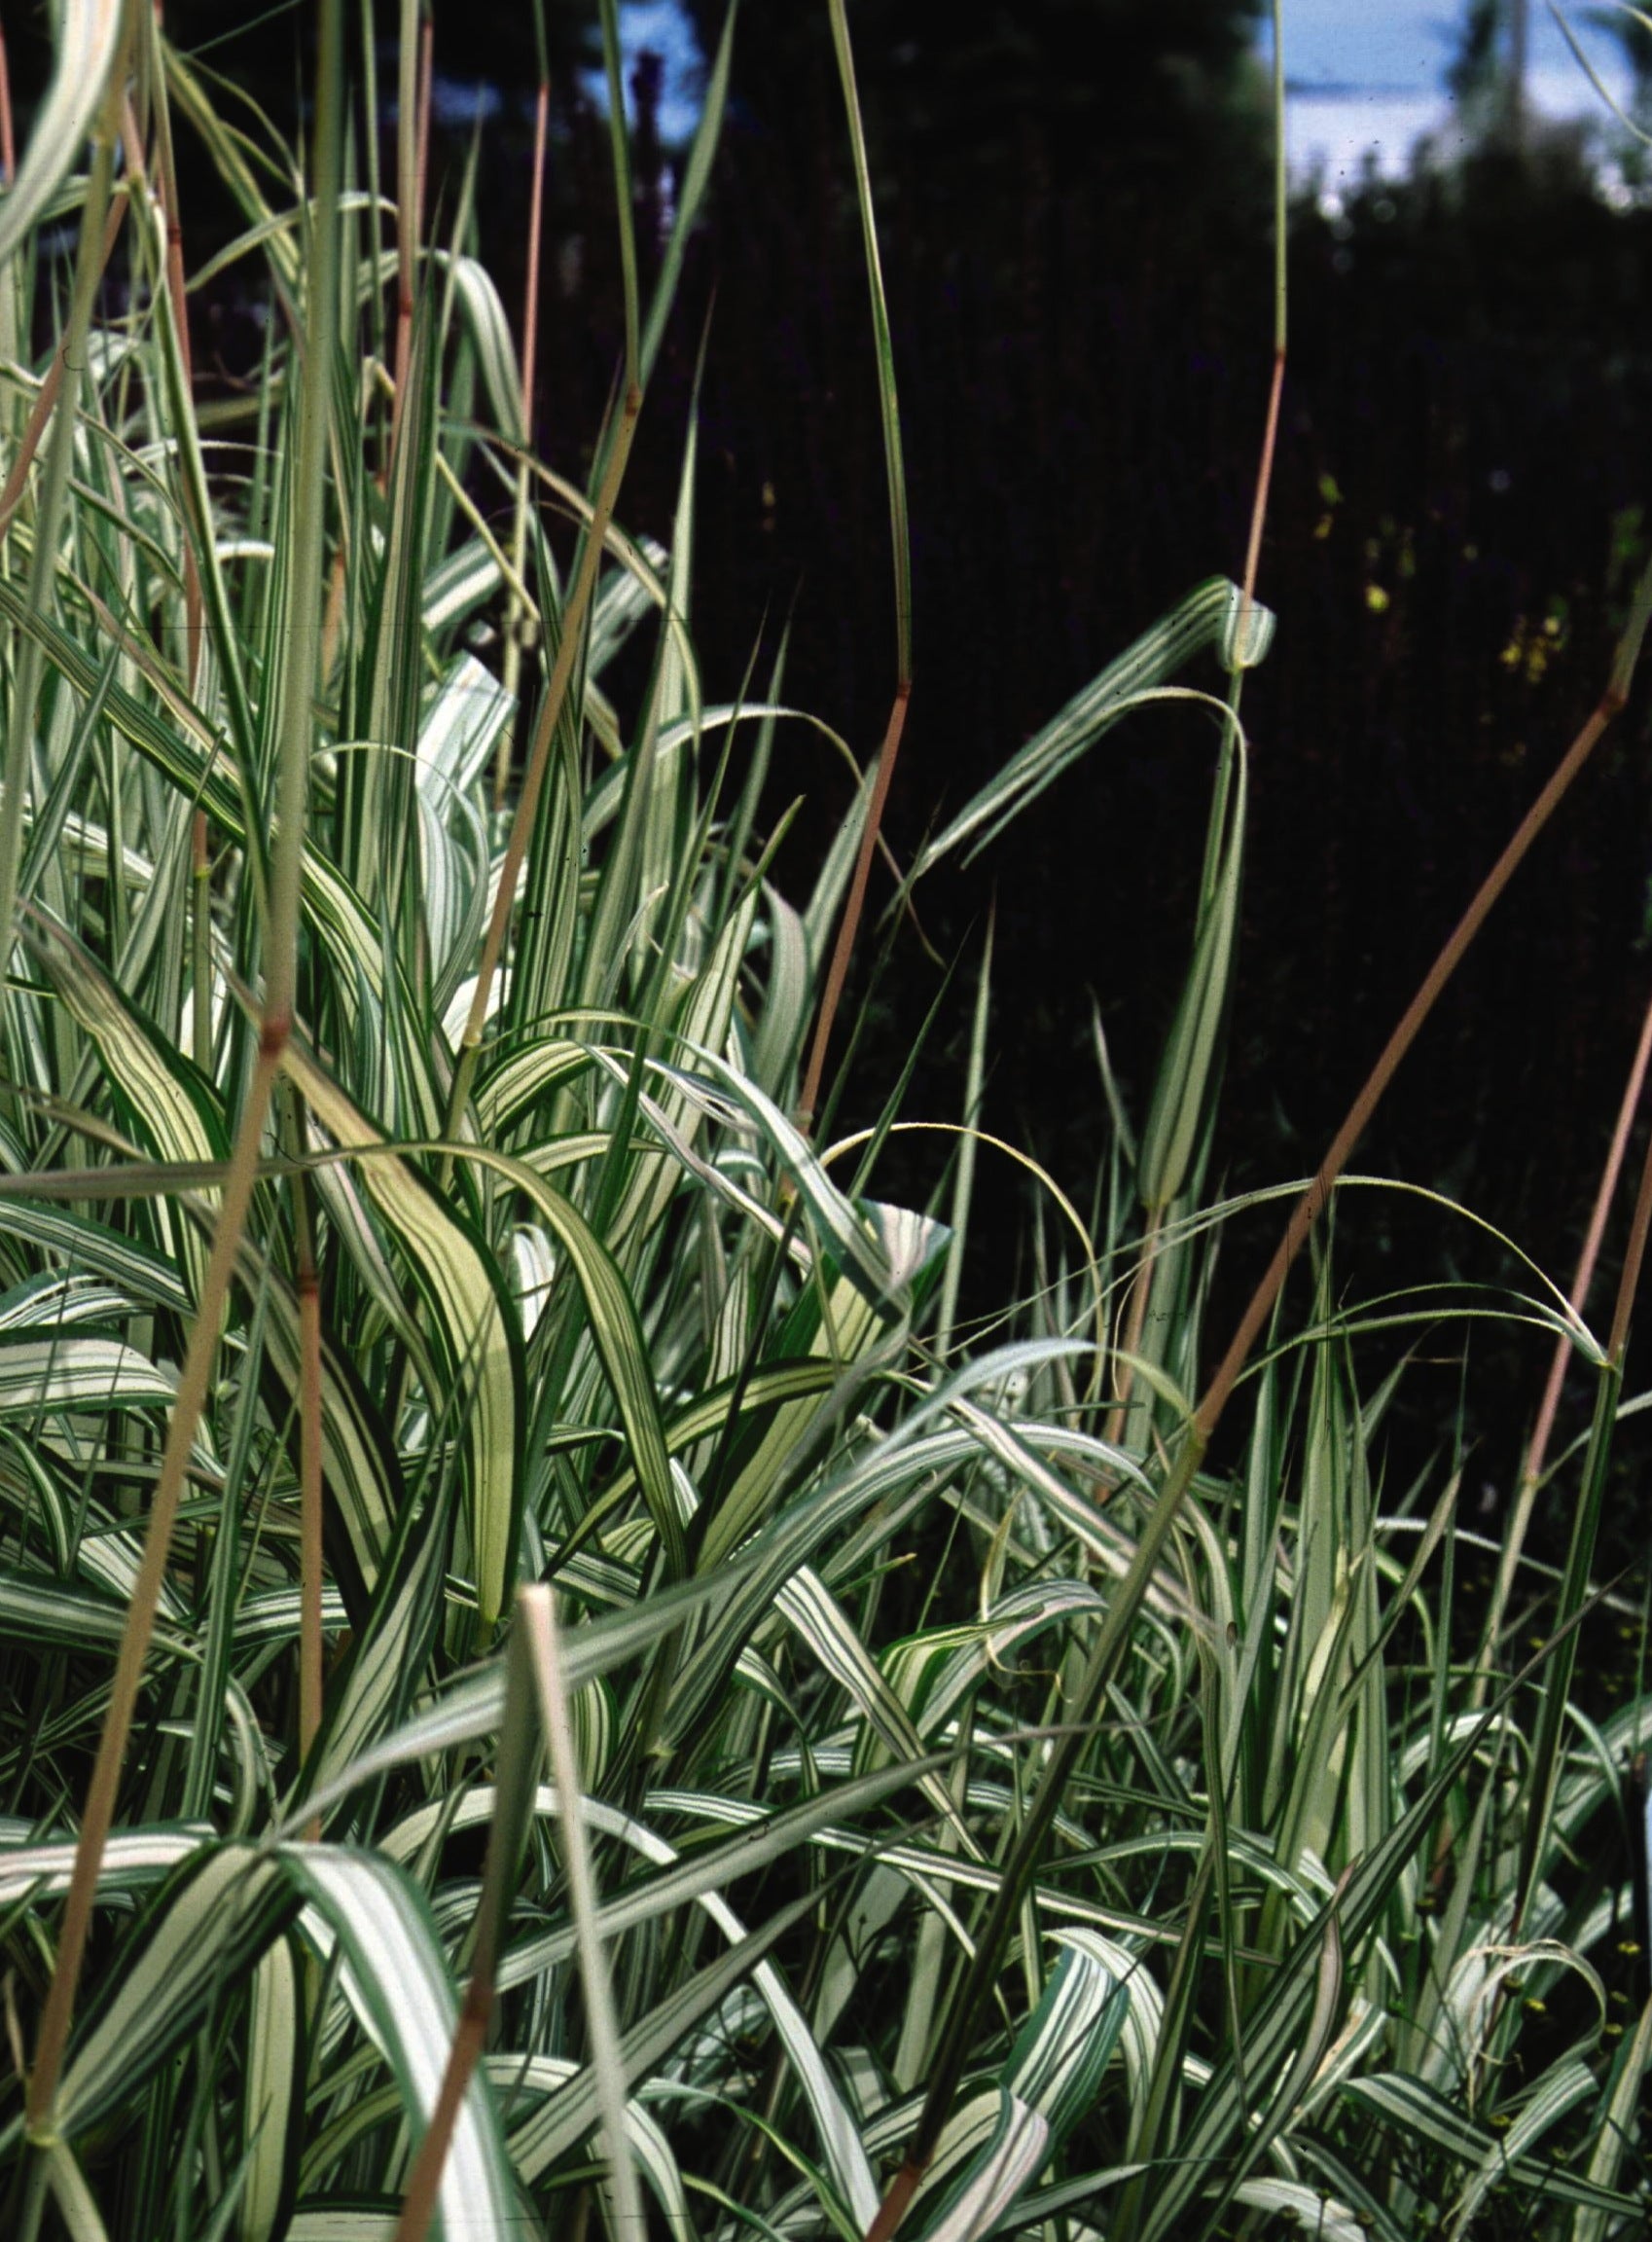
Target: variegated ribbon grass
(280,961)
(1105,1656)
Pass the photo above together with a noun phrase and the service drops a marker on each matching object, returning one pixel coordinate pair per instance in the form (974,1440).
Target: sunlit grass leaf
(89,33)
(472,1326)
(212,1922)
(133,1860)
(51,1375)
(1205,618)
(1002,2144)
(565,2121)
(399,1985)
(273,2096)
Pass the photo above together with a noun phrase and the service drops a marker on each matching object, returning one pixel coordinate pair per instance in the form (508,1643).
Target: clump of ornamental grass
(549,1682)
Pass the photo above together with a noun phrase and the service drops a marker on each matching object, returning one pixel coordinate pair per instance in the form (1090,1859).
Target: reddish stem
(844,951)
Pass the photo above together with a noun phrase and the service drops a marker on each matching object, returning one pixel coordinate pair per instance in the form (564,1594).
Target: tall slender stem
(515,613)
(1537,1448)
(842,950)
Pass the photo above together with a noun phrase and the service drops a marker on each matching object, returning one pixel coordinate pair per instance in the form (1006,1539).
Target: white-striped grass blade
(52,1302)
(700,1880)
(49,1376)
(359,1465)
(166,1101)
(1001,2144)
(134,1860)
(460,730)
(471,1328)
(1615,2138)
(273,2096)
(1179,1112)
(1429,2115)
(1303,2209)
(1206,617)
(88,35)
(820,1623)
(571,2115)
(205,1929)
(1065,2045)
(38,1613)
(398,1983)
(457,584)
(473,1707)
(616,1332)
(1562,2088)
(523,2075)
(144,1275)
(489,330)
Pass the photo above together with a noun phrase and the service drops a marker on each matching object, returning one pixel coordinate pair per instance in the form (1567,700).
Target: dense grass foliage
(548,1681)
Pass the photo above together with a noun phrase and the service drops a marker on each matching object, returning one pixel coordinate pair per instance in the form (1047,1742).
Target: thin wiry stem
(842,950)
(8,144)
(412,96)
(516,614)
(1537,1448)
(900,545)
(168,181)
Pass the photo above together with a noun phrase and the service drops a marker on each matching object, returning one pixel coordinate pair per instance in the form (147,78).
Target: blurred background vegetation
(1075,233)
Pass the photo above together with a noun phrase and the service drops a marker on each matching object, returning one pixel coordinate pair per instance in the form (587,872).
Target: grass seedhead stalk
(1546,1753)
(1537,1448)
(516,613)
(900,545)
(842,950)
(1309,1205)
(8,142)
